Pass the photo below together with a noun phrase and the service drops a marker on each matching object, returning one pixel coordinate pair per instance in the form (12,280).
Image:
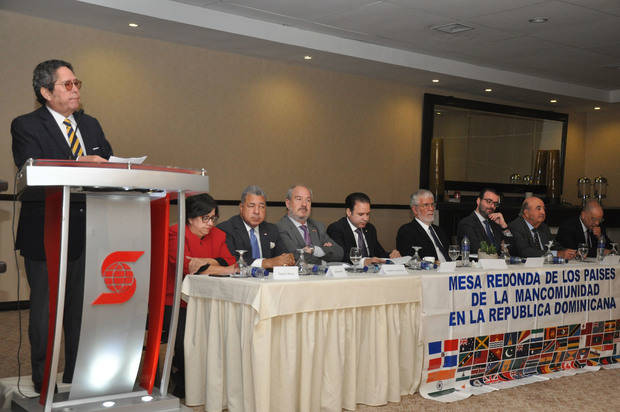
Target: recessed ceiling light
(553,101)
(307,57)
(435,80)
(134,25)
(488,90)
(437,113)
(597,107)
(539,20)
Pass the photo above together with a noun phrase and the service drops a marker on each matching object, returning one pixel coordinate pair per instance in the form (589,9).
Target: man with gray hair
(586,228)
(530,232)
(421,231)
(299,231)
(249,231)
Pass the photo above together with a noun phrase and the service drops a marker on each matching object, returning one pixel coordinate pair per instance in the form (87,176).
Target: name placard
(285,272)
(391,270)
(611,260)
(337,271)
(447,267)
(533,262)
(493,263)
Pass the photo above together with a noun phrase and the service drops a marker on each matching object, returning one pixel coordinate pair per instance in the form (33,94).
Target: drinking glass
(454,251)
(614,249)
(355,254)
(415,262)
(301,263)
(548,255)
(241,265)
(582,250)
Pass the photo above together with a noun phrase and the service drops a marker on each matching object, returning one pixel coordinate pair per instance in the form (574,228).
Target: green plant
(489,249)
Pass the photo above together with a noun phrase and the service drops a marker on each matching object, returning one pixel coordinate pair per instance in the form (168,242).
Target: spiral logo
(118,277)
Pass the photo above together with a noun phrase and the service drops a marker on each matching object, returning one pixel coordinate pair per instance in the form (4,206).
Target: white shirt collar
(482,219)
(248,227)
(353,227)
(59,117)
(583,227)
(296,223)
(424,225)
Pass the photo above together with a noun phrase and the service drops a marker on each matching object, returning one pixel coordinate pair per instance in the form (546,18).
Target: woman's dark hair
(200,205)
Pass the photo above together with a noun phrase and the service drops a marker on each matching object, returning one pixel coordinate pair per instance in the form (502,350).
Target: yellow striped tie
(74,142)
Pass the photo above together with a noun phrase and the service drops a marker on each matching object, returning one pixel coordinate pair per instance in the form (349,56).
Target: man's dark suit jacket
(341,232)
(413,234)
(570,234)
(237,238)
(472,227)
(523,244)
(37,135)
(292,240)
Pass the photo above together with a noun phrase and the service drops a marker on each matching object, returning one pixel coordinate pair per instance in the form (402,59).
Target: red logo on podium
(118,277)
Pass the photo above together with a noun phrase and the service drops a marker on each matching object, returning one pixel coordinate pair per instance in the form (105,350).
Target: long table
(316,343)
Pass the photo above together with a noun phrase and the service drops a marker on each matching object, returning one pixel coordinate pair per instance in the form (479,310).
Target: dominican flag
(442,355)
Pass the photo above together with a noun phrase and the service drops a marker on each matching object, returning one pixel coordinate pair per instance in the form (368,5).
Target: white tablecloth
(312,344)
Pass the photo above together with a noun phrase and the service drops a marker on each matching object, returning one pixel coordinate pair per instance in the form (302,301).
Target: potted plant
(487,251)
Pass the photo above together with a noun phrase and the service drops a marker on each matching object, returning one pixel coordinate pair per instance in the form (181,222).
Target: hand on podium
(91,158)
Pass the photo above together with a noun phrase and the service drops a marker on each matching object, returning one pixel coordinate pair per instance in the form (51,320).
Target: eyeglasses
(490,202)
(427,205)
(70,83)
(209,219)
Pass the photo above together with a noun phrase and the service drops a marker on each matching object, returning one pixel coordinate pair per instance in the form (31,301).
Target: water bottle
(374,268)
(256,272)
(318,269)
(600,249)
(465,250)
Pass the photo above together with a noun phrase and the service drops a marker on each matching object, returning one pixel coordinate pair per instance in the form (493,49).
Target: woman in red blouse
(205,245)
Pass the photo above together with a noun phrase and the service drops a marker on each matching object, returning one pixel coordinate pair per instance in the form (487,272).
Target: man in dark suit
(57,130)
(421,231)
(586,228)
(249,231)
(530,234)
(484,223)
(299,231)
(355,230)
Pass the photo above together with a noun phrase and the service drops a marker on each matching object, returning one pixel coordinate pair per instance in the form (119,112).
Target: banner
(483,330)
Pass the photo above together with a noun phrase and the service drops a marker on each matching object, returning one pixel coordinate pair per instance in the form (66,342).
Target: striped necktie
(74,142)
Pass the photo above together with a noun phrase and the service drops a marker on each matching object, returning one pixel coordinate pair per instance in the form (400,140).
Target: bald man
(530,232)
(586,228)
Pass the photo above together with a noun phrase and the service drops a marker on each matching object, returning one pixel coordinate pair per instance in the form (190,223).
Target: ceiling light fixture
(597,107)
(488,90)
(435,80)
(539,20)
(307,57)
(134,25)
(452,28)
(553,101)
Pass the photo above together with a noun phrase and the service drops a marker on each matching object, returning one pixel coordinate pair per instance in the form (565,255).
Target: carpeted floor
(598,391)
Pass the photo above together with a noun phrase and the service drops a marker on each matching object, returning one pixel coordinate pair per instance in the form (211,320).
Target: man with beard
(299,231)
(421,231)
(484,223)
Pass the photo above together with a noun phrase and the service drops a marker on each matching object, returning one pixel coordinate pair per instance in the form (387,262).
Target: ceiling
(573,57)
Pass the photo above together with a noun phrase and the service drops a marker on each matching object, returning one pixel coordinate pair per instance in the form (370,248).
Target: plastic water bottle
(257,272)
(465,250)
(600,249)
(374,268)
(318,269)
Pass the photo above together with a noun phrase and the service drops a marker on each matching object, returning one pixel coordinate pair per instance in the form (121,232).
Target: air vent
(452,28)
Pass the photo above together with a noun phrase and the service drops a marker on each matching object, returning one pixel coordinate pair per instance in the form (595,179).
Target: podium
(127,210)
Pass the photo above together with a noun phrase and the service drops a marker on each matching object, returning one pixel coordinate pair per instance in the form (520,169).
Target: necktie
(254,244)
(361,243)
(537,239)
(438,243)
(74,142)
(307,239)
(490,236)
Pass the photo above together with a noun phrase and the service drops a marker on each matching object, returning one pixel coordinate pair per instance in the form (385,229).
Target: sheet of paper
(493,263)
(533,262)
(285,272)
(393,270)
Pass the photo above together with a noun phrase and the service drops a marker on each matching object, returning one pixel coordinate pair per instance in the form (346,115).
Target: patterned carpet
(598,391)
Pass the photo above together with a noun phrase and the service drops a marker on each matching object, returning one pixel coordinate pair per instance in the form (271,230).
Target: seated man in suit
(529,232)
(354,230)
(586,228)
(484,223)
(298,231)
(421,231)
(249,231)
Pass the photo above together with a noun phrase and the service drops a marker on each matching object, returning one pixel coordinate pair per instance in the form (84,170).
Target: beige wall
(245,120)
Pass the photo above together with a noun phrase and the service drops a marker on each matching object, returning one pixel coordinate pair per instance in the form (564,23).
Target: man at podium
(59,129)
